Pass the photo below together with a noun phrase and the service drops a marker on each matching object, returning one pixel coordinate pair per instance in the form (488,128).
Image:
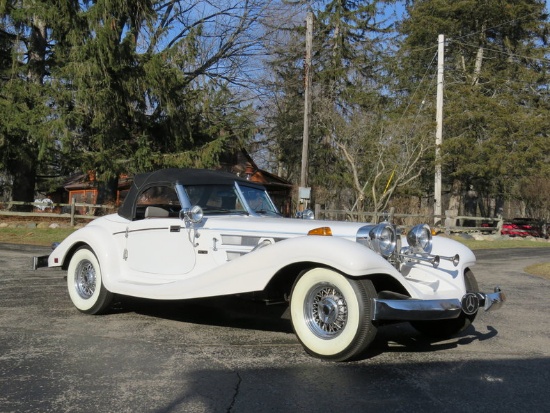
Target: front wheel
(85,283)
(443,329)
(331,314)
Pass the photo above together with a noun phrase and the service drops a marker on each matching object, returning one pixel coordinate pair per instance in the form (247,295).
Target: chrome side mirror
(305,214)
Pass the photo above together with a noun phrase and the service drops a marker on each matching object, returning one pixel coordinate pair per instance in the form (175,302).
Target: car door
(160,246)
(158,243)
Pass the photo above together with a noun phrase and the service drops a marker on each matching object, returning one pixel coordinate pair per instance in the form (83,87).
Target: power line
(477,33)
(541,59)
(506,23)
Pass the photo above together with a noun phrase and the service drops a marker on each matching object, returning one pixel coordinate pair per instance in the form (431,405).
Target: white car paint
(184,233)
(165,258)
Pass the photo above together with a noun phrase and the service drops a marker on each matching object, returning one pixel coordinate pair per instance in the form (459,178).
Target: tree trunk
(23,169)
(24,179)
(479,56)
(454,201)
(107,191)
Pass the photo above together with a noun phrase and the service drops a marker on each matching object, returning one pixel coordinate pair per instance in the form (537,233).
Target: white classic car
(185,233)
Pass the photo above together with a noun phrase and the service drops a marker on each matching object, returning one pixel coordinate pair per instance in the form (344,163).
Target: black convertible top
(172,176)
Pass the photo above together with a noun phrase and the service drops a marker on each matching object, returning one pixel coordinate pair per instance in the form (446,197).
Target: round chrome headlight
(419,239)
(196,214)
(383,239)
(193,215)
(308,214)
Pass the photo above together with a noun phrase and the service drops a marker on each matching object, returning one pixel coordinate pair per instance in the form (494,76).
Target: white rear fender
(100,241)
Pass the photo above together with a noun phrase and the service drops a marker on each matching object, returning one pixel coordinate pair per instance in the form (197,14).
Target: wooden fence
(449,223)
(73,211)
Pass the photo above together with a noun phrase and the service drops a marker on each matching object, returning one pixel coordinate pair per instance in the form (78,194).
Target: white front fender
(342,254)
(253,271)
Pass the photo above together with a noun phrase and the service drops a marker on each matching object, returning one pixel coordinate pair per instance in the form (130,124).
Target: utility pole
(307,101)
(439,128)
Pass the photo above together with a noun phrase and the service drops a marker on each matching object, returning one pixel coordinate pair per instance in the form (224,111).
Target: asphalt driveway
(225,355)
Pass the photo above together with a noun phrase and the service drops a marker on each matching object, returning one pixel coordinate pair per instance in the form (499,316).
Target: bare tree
(381,157)
(220,38)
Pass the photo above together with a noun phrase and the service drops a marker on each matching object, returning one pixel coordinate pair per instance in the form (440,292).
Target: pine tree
(284,108)
(147,90)
(496,93)
(121,85)
(25,134)
(358,156)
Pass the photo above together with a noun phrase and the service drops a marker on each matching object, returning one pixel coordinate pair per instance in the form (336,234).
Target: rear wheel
(331,314)
(85,283)
(441,329)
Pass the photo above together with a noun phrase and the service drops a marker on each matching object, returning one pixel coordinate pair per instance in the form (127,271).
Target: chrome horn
(455,259)
(432,259)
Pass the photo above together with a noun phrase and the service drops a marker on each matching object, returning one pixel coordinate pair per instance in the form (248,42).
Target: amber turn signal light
(326,231)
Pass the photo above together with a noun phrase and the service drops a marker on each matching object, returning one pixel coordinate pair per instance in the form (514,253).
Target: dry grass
(541,270)
(34,236)
(47,236)
(504,243)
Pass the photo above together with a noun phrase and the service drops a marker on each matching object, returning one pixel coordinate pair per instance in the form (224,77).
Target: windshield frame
(244,195)
(268,207)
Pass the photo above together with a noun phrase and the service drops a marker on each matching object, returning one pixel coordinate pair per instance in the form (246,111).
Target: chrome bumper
(40,261)
(414,310)
(492,301)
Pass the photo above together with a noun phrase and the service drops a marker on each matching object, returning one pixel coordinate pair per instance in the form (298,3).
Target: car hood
(278,227)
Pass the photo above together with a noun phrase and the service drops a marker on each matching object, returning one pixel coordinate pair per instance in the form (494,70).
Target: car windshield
(223,199)
(215,198)
(258,201)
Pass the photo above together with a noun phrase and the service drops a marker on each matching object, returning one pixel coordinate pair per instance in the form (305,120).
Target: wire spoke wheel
(85,279)
(331,314)
(85,283)
(325,311)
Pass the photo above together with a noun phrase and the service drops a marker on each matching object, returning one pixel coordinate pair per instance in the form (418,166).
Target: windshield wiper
(267,212)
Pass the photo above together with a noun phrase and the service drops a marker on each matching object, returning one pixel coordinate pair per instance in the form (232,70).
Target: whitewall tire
(331,314)
(85,283)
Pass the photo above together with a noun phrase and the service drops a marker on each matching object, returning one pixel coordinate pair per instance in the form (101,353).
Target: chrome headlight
(419,239)
(380,238)
(305,214)
(193,215)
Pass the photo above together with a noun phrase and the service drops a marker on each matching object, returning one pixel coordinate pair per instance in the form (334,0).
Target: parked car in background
(524,227)
(184,233)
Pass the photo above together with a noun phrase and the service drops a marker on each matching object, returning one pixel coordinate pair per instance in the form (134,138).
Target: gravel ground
(223,355)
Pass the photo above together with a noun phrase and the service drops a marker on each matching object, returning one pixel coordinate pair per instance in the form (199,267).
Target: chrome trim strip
(264,233)
(410,310)
(148,229)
